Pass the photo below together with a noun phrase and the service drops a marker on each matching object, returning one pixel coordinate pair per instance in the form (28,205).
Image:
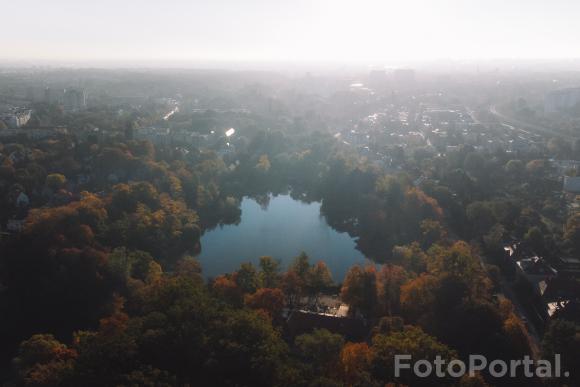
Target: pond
(282,230)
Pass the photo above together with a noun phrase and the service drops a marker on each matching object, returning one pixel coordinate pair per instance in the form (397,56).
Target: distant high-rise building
(562,100)
(48,95)
(17,118)
(405,77)
(30,94)
(75,100)
(377,78)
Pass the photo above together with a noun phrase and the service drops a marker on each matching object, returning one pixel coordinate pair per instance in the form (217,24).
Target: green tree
(245,350)
(572,233)
(247,278)
(301,266)
(535,239)
(269,272)
(320,349)
(410,341)
(563,337)
(318,279)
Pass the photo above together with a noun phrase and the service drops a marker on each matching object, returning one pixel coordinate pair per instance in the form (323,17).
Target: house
(325,312)
(536,272)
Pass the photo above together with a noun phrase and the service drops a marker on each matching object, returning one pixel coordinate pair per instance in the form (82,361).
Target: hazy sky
(289,30)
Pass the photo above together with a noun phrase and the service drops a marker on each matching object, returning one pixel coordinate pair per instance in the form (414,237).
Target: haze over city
(366,31)
(265,193)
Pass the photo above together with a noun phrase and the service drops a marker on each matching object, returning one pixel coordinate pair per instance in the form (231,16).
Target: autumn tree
(389,281)
(355,362)
(226,288)
(418,297)
(267,299)
(359,289)
(411,257)
(43,361)
(459,262)
(189,266)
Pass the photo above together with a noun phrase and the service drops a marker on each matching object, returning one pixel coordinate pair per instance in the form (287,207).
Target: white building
(16,118)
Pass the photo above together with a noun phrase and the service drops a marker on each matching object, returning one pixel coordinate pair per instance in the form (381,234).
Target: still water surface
(282,230)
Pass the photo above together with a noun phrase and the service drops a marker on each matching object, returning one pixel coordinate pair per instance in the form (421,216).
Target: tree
(459,262)
(481,217)
(263,164)
(572,233)
(517,335)
(247,278)
(536,168)
(535,239)
(410,341)
(563,337)
(245,350)
(269,272)
(43,361)
(359,289)
(55,181)
(474,164)
(320,349)
(389,281)
(318,279)
(355,361)
(292,286)
(559,148)
(411,257)
(432,232)
(418,296)
(300,266)
(387,325)
(226,288)
(190,267)
(515,169)
(269,300)
(134,264)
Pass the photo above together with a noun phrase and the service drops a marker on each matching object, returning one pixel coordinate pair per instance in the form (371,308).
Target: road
(513,122)
(506,288)
(521,312)
(172,112)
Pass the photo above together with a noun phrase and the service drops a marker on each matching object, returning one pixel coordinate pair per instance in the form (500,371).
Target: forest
(101,286)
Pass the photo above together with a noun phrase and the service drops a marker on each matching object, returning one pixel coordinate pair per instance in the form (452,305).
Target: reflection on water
(281,227)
